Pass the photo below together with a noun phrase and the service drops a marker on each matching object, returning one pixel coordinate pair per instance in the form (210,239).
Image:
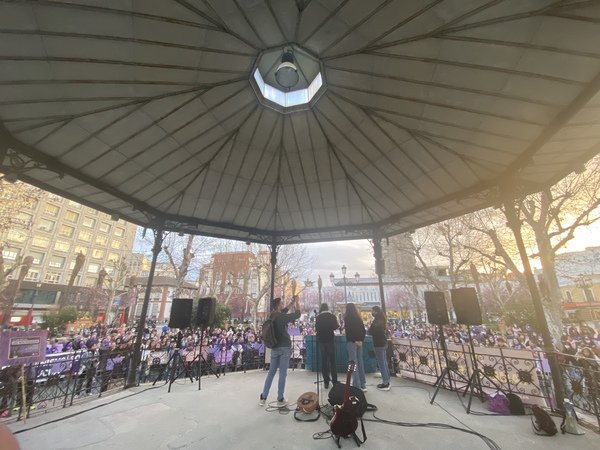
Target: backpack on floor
(542,422)
(336,397)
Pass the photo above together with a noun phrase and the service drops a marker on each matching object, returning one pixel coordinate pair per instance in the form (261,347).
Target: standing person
(355,335)
(378,330)
(325,324)
(281,353)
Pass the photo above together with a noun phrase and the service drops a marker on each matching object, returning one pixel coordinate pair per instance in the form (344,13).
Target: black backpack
(542,422)
(268,331)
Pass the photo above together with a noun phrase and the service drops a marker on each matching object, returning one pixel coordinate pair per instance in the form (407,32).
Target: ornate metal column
(379,269)
(137,352)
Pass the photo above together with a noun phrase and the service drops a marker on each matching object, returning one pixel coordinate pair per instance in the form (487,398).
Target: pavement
(225,414)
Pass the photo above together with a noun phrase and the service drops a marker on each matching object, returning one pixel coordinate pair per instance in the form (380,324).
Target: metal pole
(137,348)
(379,269)
(274,249)
(515,225)
(345,294)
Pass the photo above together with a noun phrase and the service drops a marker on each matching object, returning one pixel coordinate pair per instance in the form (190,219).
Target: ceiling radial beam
(324,21)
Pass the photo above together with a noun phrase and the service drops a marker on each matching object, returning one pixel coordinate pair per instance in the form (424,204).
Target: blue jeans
(280,359)
(381,355)
(355,353)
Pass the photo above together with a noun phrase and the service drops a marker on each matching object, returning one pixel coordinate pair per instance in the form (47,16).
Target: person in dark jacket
(355,335)
(325,325)
(282,352)
(378,330)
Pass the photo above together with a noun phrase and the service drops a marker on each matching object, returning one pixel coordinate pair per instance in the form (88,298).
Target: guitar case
(336,397)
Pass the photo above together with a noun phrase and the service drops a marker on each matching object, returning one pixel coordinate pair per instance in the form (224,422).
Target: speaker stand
(173,366)
(474,384)
(202,360)
(445,378)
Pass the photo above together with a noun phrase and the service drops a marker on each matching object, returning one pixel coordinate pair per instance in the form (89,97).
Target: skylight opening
(287,99)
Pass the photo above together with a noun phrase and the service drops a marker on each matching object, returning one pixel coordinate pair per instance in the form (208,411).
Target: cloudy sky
(331,256)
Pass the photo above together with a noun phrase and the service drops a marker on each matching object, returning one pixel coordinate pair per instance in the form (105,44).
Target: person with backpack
(281,351)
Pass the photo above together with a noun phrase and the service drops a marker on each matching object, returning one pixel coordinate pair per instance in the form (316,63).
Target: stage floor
(225,414)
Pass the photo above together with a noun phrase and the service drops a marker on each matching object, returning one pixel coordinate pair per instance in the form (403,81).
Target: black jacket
(325,325)
(377,330)
(355,329)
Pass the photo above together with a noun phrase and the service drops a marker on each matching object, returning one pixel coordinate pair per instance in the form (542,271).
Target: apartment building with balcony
(54,231)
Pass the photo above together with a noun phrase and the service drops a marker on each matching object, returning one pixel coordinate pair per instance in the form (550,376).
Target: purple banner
(22,347)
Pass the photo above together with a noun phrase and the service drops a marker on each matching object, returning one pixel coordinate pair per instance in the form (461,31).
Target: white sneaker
(283,402)
(262,401)
(364,389)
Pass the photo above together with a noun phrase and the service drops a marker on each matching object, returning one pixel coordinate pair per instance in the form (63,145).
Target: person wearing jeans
(355,335)
(325,325)
(378,330)
(282,352)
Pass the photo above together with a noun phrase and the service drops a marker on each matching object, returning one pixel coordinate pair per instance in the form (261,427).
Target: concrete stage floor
(225,414)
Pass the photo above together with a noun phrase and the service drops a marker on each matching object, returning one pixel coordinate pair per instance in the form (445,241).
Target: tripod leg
(438,383)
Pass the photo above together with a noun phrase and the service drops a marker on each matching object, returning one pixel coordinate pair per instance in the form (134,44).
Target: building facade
(54,231)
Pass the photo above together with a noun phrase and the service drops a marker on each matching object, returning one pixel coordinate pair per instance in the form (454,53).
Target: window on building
(104,227)
(102,240)
(90,281)
(52,277)
(89,210)
(93,268)
(568,296)
(46,225)
(10,255)
(589,295)
(116,244)
(33,275)
(89,222)
(62,246)
(16,235)
(71,216)
(97,253)
(75,205)
(40,241)
(51,209)
(119,232)
(57,262)
(38,258)
(113,257)
(85,236)
(81,249)
(66,231)
(24,219)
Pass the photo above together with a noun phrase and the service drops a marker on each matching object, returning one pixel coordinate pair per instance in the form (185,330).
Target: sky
(357,255)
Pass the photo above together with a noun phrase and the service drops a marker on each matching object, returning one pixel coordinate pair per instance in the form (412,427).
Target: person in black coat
(378,330)
(355,335)
(325,324)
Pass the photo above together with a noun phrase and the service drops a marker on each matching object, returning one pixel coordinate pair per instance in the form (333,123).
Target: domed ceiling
(154,109)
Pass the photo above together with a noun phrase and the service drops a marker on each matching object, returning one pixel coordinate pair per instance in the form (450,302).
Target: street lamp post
(344,276)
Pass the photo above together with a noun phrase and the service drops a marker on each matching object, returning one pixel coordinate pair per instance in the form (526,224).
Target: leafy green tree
(60,318)
(222,314)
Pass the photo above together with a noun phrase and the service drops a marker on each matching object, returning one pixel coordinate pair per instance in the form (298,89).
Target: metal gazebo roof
(153,110)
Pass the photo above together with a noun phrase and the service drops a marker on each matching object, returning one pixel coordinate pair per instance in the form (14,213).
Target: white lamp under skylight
(287,72)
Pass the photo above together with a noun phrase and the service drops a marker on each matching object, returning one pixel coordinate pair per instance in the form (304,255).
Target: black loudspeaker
(205,316)
(181,313)
(437,313)
(466,306)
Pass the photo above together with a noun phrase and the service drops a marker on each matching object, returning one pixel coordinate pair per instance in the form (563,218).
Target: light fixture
(357,277)
(331,277)
(287,72)
(344,270)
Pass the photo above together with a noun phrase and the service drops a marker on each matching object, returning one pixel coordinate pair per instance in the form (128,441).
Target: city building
(54,231)
(161,296)
(579,280)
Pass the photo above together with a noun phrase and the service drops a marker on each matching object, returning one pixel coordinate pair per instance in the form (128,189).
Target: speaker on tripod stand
(437,314)
(468,312)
